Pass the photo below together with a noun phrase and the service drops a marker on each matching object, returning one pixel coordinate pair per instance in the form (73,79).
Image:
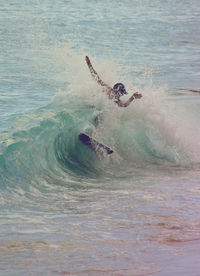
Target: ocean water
(65,210)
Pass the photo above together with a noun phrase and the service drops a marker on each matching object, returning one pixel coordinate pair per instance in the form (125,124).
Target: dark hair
(120,87)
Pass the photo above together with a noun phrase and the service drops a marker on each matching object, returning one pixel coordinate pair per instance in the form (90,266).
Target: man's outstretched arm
(94,74)
(134,96)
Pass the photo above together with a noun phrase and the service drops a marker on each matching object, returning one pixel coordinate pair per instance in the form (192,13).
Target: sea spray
(151,130)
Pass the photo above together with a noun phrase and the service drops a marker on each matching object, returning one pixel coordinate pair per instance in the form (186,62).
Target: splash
(153,130)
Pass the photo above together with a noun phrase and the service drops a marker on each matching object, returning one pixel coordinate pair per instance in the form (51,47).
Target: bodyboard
(93,144)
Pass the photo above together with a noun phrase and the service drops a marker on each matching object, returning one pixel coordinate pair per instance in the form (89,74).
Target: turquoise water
(64,209)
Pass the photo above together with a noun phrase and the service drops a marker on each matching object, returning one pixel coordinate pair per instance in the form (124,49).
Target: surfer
(116,92)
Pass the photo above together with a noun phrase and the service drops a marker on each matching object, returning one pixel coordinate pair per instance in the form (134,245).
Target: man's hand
(137,95)
(88,61)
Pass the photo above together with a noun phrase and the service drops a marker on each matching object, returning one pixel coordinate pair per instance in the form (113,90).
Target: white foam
(171,128)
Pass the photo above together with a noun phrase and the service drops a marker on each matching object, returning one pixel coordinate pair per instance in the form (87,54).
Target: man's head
(120,88)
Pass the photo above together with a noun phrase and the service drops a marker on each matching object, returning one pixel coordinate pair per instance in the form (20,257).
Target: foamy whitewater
(66,210)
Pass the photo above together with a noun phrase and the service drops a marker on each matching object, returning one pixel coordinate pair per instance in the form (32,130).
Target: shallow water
(64,209)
